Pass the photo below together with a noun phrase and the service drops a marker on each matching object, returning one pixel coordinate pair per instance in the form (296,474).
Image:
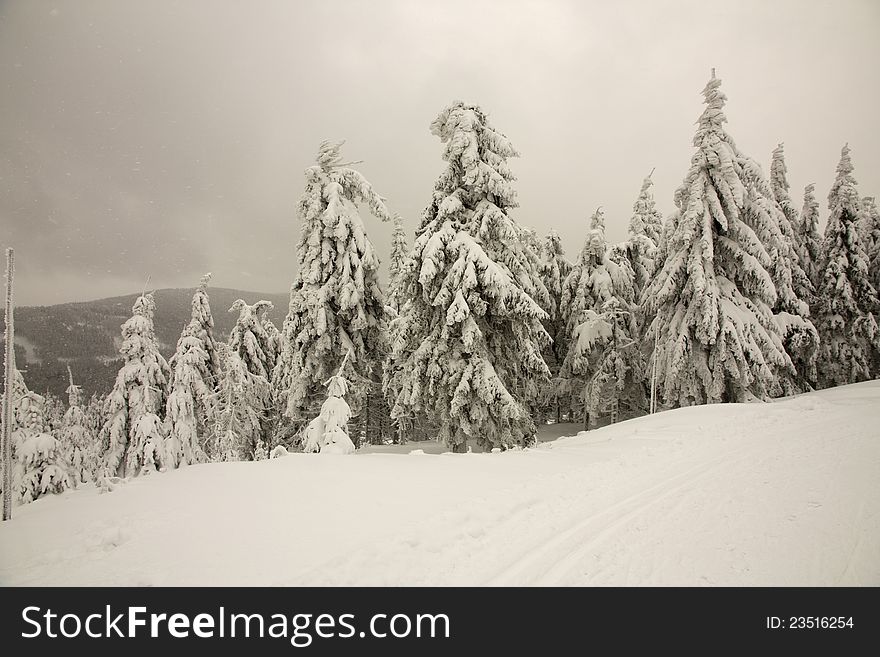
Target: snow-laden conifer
(39,466)
(869,225)
(253,345)
(238,418)
(794,290)
(712,300)
(555,268)
(396,263)
(809,240)
(77,440)
(645,229)
(327,432)
(195,368)
(603,366)
(336,302)
(467,353)
(846,302)
(133,429)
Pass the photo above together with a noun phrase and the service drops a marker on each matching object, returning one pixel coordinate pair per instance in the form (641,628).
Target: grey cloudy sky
(169,138)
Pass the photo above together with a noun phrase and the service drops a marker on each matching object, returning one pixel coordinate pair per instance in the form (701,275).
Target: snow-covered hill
(784,493)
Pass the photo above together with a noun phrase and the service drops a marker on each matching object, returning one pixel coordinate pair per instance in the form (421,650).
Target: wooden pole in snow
(654,374)
(7,390)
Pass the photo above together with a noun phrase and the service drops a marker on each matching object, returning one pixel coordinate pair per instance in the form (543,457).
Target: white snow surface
(783,493)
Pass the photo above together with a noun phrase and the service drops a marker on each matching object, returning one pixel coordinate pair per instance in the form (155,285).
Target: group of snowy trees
(483,330)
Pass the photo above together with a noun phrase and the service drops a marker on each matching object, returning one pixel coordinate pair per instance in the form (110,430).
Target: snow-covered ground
(786,493)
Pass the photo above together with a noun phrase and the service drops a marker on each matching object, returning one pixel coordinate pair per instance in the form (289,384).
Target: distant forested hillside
(86,335)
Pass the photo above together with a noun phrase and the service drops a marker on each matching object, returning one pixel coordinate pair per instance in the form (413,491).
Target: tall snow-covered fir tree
(645,228)
(555,268)
(253,347)
(869,225)
(467,354)
(195,368)
(794,290)
(396,263)
(77,440)
(846,303)
(802,287)
(712,300)
(809,240)
(336,302)
(133,431)
(602,367)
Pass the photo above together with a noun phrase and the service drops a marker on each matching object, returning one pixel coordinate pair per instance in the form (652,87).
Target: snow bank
(754,494)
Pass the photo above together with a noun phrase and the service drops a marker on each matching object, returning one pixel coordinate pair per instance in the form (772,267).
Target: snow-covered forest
(486,330)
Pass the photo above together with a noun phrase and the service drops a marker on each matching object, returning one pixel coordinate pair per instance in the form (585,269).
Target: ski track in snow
(783,493)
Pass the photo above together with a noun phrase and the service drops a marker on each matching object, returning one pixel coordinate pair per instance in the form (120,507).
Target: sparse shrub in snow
(712,301)
(336,303)
(846,303)
(327,433)
(195,368)
(260,453)
(135,446)
(467,351)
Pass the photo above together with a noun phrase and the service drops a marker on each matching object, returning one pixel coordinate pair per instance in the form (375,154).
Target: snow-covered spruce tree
(195,368)
(645,228)
(468,351)
(336,302)
(53,411)
(555,268)
(809,241)
(133,430)
(846,301)
(253,341)
(77,440)
(39,465)
(326,433)
(869,225)
(603,367)
(801,285)
(396,262)
(794,290)
(712,300)
(236,433)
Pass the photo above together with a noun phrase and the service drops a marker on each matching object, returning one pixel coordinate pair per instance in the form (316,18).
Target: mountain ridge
(86,334)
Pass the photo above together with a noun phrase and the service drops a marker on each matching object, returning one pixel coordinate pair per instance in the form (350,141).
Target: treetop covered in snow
(467,349)
(714,295)
(336,302)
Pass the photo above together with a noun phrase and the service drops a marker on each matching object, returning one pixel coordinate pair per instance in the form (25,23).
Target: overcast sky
(165,139)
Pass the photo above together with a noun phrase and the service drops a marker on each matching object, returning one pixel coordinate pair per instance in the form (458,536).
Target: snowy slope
(784,493)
